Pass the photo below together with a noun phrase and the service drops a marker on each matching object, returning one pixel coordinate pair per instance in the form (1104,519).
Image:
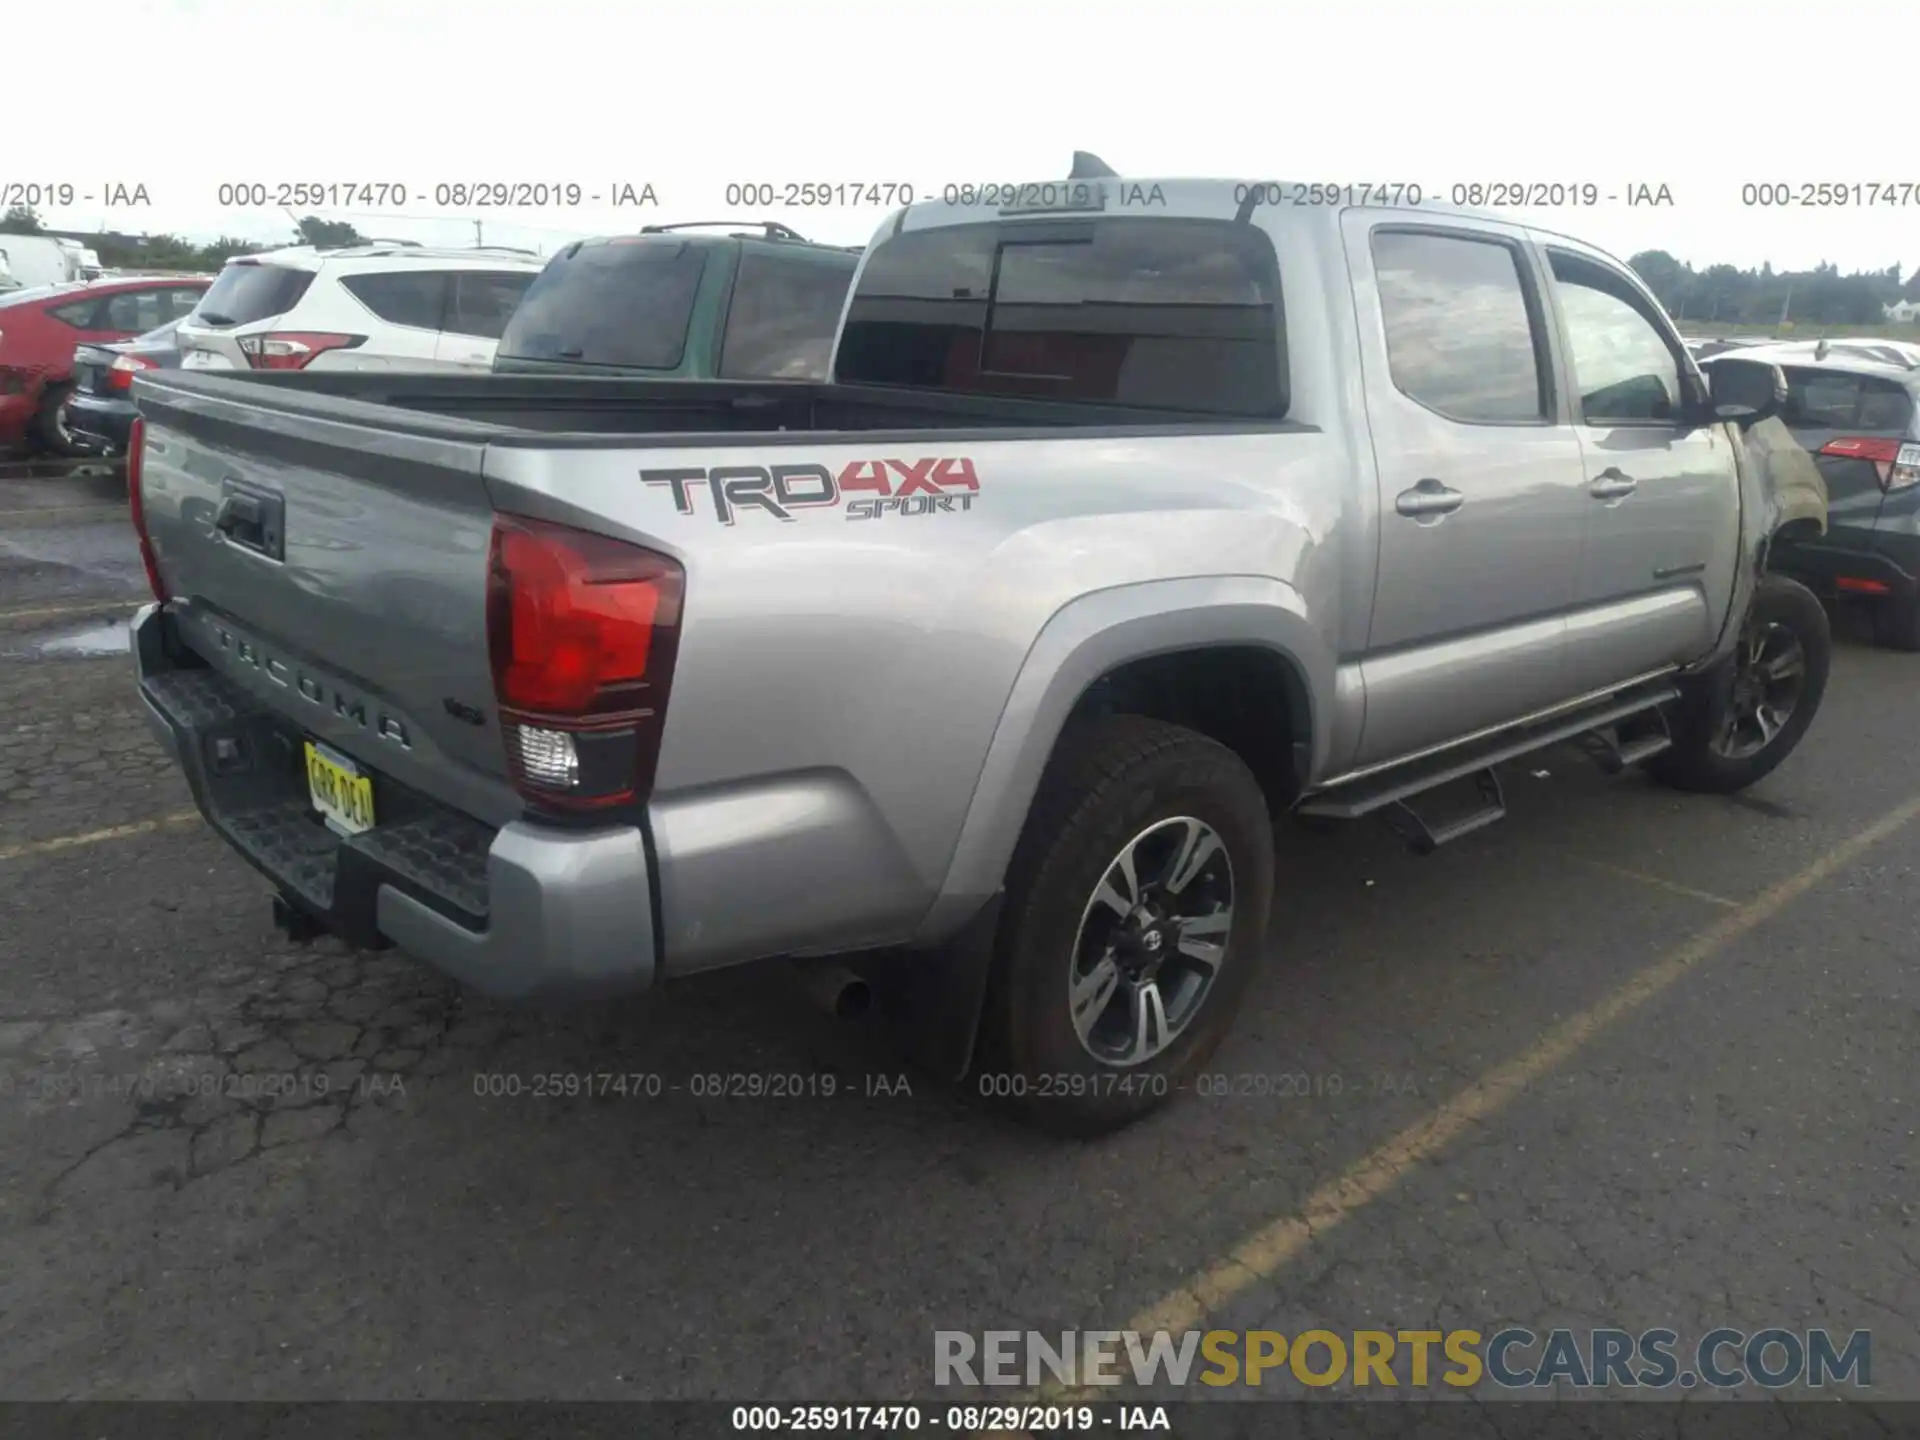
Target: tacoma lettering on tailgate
(867,489)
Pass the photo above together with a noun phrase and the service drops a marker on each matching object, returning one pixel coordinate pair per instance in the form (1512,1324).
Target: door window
(1461,333)
(1624,370)
(484,300)
(782,319)
(414,298)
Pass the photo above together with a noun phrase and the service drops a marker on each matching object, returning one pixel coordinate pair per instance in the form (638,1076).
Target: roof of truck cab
(1183,195)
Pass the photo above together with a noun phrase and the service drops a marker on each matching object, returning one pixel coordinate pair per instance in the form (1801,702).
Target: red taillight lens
(1862,447)
(136,466)
(1882,453)
(293,349)
(120,374)
(582,631)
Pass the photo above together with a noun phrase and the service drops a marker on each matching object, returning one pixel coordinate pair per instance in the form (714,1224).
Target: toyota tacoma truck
(1133,516)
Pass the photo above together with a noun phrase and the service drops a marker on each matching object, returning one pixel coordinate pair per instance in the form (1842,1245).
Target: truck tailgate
(336,566)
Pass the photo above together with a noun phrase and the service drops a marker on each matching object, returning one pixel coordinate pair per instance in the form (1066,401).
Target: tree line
(119,251)
(1731,296)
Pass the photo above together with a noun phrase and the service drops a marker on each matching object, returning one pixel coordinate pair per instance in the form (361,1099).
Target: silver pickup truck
(1136,515)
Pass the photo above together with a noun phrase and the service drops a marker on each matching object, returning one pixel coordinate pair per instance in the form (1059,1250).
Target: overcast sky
(689,97)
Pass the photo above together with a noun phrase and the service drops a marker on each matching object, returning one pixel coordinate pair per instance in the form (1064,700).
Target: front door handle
(1428,500)
(1611,484)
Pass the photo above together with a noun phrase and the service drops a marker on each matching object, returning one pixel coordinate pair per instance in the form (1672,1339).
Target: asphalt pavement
(1630,1059)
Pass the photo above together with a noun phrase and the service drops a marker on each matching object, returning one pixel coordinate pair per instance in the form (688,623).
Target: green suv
(760,303)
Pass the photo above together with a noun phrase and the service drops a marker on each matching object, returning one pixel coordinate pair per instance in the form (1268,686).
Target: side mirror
(1745,392)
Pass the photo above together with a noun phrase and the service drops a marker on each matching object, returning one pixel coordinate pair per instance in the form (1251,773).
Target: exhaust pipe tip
(834,988)
(854,1001)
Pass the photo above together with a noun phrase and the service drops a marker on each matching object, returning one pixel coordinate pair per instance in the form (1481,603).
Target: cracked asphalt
(234,1168)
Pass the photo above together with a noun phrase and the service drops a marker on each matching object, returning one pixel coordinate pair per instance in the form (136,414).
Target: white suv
(380,306)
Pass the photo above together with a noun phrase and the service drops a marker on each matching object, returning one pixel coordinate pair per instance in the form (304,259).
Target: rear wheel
(1137,906)
(50,429)
(1737,725)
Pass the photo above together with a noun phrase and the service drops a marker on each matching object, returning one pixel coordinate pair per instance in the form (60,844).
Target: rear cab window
(246,292)
(1159,313)
(624,303)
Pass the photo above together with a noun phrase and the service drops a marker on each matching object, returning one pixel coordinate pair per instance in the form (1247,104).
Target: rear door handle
(1429,500)
(1611,484)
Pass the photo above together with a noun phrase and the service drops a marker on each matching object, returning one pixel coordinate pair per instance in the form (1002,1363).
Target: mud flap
(930,1001)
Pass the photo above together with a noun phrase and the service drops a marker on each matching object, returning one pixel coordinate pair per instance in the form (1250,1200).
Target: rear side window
(415,298)
(624,303)
(135,311)
(1165,314)
(244,293)
(1834,400)
(483,301)
(1460,333)
(80,314)
(181,301)
(782,318)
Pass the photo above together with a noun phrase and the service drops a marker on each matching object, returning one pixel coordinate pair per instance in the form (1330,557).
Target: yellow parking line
(1669,886)
(61,515)
(1273,1246)
(77,608)
(94,837)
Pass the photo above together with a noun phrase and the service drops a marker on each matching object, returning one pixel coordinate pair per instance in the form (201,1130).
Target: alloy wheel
(1152,939)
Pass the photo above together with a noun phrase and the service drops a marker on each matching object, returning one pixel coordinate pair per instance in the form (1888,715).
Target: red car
(40,327)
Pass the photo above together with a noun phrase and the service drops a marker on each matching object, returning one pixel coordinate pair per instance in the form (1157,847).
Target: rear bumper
(1822,565)
(525,911)
(97,418)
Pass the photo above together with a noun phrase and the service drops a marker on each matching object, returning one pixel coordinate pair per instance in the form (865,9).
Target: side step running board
(1390,790)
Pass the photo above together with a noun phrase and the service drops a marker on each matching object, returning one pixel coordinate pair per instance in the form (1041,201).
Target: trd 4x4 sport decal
(891,487)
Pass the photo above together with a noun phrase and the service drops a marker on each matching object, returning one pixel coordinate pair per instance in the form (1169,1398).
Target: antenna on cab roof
(1089,166)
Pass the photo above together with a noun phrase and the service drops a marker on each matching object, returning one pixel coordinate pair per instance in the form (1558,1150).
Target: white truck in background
(45,260)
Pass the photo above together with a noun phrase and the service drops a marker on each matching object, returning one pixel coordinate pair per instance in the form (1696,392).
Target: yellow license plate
(339,789)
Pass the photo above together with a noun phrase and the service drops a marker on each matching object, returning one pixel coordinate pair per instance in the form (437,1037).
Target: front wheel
(1137,907)
(1737,724)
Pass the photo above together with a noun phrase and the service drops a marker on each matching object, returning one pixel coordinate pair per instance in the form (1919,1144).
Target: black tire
(1699,759)
(1896,624)
(1112,781)
(49,431)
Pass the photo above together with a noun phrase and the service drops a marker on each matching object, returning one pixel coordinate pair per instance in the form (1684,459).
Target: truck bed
(555,410)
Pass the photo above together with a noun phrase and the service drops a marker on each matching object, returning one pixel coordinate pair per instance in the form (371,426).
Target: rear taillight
(1896,463)
(582,632)
(293,349)
(136,466)
(120,374)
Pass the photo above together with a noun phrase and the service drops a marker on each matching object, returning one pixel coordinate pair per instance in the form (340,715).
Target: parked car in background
(99,411)
(43,259)
(380,306)
(42,326)
(756,303)
(1702,349)
(1855,405)
(7,281)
